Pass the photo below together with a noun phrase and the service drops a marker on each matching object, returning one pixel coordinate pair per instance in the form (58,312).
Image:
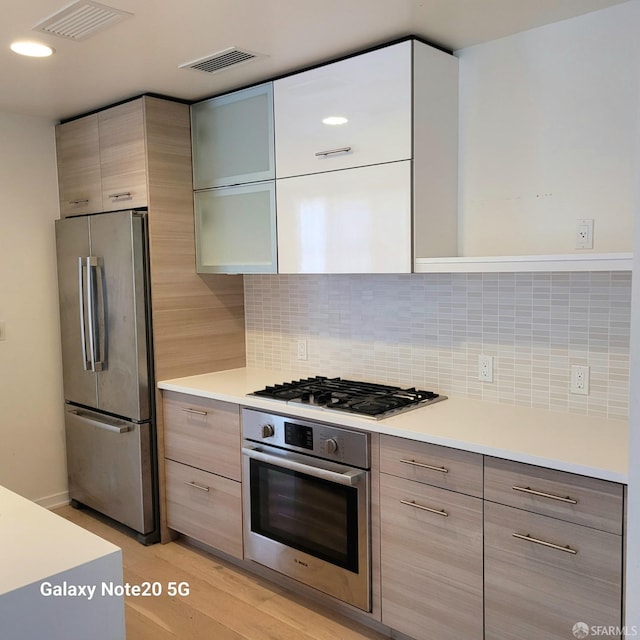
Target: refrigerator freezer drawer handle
(116,428)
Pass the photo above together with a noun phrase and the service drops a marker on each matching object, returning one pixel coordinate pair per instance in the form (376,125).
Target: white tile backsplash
(427,330)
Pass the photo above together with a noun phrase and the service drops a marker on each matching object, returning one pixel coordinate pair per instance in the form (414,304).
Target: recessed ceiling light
(334,120)
(32,49)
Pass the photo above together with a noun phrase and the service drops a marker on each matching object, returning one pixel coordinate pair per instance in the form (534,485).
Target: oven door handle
(348,478)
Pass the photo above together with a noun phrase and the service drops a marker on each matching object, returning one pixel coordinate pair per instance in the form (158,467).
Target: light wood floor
(224,603)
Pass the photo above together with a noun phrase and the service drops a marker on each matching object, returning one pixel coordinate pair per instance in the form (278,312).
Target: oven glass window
(310,514)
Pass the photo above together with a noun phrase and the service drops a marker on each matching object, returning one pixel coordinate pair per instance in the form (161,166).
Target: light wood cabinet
(551,559)
(203,470)
(123,164)
(102,161)
(443,467)
(431,541)
(78,155)
(205,506)
(203,433)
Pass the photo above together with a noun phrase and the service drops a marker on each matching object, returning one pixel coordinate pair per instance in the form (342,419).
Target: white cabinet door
(232,138)
(236,229)
(372,91)
(351,221)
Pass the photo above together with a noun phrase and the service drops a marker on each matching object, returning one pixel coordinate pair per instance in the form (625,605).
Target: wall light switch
(3,331)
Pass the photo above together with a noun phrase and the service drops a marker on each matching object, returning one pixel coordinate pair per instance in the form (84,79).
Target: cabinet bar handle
(415,505)
(422,465)
(544,543)
(332,151)
(195,485)
(124,194)
(198,413)
(541,494)
(84,201)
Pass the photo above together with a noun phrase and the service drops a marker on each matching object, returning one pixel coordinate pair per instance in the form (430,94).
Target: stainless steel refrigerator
(103,282)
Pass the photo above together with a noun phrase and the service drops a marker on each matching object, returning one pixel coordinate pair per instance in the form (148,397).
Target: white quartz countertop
(37,544)
(587,445)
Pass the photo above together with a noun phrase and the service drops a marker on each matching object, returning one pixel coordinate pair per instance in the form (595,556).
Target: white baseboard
(53,502)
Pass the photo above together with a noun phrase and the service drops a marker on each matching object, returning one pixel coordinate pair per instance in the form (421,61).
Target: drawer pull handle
(330,152)
(195,485)
(77,202)
(415,505)
(422,465)
(196,412)
(544,543)
(119,196)
(541,494)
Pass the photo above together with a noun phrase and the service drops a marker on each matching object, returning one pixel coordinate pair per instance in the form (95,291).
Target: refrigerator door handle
(93,278)
(116,427)
(86,365)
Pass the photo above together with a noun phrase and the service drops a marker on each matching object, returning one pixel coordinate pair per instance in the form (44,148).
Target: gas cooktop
(362,398)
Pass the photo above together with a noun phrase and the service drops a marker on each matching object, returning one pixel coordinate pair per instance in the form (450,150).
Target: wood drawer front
(533,591)
(203,433)
(431,563)
(598,503)
(205,507)
(452,469)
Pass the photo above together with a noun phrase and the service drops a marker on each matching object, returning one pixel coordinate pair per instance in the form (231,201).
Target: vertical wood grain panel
(198,323)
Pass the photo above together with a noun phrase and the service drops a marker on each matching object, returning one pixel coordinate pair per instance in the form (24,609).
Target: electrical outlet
(580,380)
(302,349)
(3,331)
(584,234)
(485,368)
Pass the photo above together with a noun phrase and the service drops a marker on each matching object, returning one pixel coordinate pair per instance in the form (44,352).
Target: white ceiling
(142,54)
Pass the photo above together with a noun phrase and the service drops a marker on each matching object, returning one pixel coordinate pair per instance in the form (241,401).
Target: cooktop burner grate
(362,398)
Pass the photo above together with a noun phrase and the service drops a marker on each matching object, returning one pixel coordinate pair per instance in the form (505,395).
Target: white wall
(32,454)
(544,136)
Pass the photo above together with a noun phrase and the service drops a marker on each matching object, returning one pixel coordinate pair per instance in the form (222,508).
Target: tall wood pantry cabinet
(138,154)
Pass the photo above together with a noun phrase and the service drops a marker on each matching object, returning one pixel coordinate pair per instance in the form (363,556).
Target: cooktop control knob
(267,430)
(331,445)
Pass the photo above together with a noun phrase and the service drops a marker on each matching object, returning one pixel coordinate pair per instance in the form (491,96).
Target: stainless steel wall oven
(306,493)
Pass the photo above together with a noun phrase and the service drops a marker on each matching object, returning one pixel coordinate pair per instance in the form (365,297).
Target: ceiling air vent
(222,60)
(81,20)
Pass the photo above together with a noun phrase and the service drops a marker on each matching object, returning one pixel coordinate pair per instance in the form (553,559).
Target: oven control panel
(319,439)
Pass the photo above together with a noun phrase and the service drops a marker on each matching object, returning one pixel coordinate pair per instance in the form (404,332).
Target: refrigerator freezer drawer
(109,468)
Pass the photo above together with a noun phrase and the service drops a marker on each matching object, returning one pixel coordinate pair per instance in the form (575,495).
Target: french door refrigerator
(103,282)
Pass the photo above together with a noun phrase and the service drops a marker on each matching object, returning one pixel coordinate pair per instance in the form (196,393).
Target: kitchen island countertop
(584,444)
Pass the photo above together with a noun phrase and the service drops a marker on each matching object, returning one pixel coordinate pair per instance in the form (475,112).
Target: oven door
(308,519)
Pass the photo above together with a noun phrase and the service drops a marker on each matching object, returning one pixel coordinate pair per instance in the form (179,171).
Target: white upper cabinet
(350,113)
(352,221)
(232,138)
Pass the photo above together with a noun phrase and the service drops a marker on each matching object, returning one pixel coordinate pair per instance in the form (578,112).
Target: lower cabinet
(205,507)
(553,550)
(203,491)
(431,550)
(545,577)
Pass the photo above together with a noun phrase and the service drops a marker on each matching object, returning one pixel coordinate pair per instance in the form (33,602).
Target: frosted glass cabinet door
(232,138)
(372,91)
(351,221)
(236,229)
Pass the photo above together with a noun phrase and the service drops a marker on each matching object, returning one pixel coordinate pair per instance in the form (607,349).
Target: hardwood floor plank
(224,602)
